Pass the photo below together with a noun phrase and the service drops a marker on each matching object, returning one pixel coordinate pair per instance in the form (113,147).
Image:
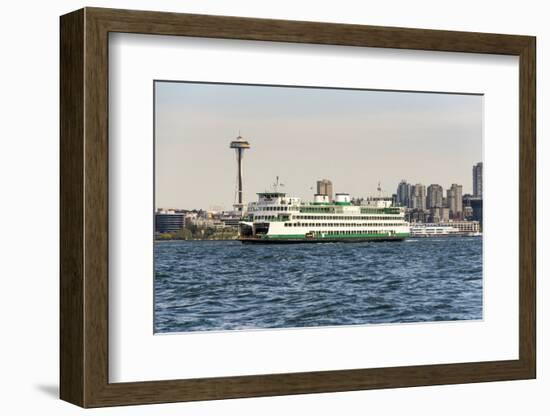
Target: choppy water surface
(224,285)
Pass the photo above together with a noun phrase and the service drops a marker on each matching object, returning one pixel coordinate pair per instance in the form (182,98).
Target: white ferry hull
(282,240)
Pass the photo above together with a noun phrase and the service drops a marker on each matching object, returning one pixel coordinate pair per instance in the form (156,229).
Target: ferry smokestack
(240,145)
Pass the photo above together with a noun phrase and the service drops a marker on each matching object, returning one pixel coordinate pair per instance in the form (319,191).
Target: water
(225,285)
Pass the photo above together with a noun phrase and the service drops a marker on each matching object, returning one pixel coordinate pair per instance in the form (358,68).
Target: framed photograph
(254,207)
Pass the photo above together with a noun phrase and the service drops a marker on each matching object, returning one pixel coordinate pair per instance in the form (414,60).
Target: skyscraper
(434,198)
(404,193)
(418,197)
(324,187)
(477,176)
(477,208)
(454,200)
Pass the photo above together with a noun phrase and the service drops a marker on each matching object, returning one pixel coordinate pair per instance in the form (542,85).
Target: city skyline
(304,135)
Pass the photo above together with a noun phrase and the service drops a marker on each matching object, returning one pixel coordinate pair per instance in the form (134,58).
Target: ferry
(278,218)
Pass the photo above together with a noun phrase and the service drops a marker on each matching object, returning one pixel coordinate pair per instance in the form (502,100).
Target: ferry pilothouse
(278,218)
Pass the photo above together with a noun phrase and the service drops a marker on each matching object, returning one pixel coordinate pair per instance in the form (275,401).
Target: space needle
(240,145)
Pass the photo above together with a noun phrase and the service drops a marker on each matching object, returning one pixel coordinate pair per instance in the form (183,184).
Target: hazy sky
(353,137)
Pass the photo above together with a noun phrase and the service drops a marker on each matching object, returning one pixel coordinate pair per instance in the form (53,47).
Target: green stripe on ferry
(285,236)
(330,236)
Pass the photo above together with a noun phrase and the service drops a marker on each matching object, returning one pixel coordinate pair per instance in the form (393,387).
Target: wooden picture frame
(84,207)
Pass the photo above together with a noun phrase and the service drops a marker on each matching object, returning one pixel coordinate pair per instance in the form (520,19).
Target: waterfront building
(416,215)
(434,198)
(466,227)
(418,197)
(439,214)
(477,178)
(454,201)
(477,210)
(436,229)
(404,194)
(467,212)
(324,187)
(207,223)
(169,221)
(444,214)
(447,228)
(190,218)
(230,220)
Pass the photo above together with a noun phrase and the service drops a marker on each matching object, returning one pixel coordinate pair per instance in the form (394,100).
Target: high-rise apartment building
(454,201)
(477,177)
(404,194)
(418,197)
(434,198)
(324,187)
